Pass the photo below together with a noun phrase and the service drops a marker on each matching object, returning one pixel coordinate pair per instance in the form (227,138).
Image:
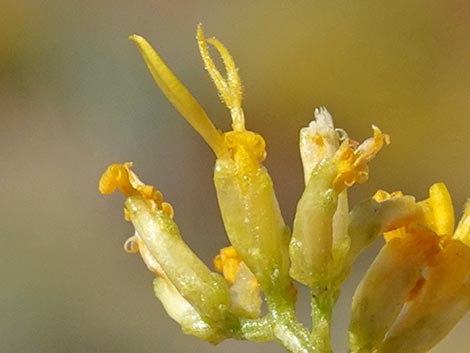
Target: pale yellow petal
(438,210)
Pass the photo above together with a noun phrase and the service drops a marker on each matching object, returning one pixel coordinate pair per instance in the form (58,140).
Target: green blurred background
(75,96)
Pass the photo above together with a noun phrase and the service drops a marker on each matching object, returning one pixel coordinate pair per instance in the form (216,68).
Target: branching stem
(322,303)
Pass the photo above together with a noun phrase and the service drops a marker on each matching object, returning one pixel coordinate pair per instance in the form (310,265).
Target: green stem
(322,308)
(290,333)
(257,330)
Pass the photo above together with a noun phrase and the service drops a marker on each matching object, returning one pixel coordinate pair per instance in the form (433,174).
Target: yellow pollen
(382,195)
(246,147)
(227,263)
(319,140)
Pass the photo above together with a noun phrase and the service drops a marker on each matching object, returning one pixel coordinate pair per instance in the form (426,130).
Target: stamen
(230,89)
(352,159)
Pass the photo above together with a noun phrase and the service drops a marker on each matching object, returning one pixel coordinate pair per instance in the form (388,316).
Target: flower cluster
(413,294)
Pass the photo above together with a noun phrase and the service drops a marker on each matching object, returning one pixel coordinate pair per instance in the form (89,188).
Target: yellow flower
(248,204)
(244,288)
(198,299)
(320,244)
(418,287)
(415,291)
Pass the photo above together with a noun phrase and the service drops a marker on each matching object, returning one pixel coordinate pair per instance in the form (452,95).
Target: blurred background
(76,96)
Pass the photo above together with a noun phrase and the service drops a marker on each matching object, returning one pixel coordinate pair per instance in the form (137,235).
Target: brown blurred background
(75,96)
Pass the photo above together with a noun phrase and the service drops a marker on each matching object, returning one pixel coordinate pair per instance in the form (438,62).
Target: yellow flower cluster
(411,296)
